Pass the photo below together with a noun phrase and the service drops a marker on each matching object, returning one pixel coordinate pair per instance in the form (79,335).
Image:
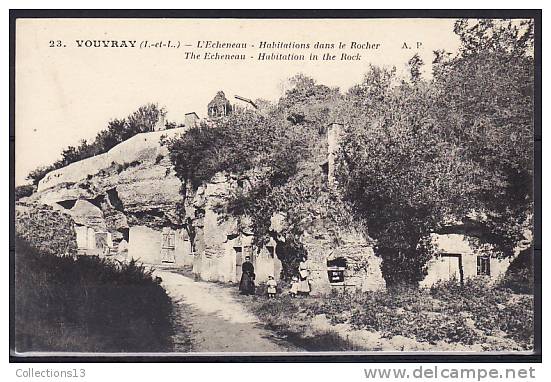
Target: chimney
(160,125)
(334,131)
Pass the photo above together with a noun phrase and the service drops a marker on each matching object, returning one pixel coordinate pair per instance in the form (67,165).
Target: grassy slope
(87,305)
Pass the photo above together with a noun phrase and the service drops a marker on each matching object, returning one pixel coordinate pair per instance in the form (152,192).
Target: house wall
(317,268)
(363,270)
(442,268)
(82,238)
(445,268)
(144,244)
(182,248)
(267,264)
(369,278)
(373,279)
(498,267)
(217,259)
(86,240)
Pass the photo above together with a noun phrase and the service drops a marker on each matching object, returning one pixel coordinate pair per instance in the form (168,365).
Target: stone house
(221,243)
(219,106)
(191,120)
(458,257)
(347,267)
(124,205)
(92,235)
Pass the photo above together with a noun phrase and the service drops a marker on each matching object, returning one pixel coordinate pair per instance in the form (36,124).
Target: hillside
(133,182)
(84,304)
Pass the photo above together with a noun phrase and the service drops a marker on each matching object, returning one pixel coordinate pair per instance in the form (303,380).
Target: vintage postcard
(279,186)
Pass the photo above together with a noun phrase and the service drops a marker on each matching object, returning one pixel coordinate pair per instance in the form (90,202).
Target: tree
(485,99)
(274,152)
(401,176)
(415,64)
(418,156)
(69,155)
(118,130)
(145,118)
(23,191)
(308,103)
(36,175)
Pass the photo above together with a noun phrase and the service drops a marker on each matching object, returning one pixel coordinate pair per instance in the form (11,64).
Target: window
(335,270)
(483,265)
(168,240)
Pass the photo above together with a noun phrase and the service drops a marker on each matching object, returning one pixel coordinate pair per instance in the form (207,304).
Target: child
(272,287)
(303,285)
(294,287)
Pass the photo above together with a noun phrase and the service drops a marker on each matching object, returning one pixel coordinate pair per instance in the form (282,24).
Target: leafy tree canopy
(420,155)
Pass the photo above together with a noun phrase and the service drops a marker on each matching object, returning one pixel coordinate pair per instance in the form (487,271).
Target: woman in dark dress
(246,285)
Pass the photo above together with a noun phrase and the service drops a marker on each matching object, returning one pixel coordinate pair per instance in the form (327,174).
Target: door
(271,261)
(167,247)
(455,267)
(238,262)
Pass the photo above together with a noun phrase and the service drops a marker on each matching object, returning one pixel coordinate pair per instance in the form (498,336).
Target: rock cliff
(129,199)
(132,184)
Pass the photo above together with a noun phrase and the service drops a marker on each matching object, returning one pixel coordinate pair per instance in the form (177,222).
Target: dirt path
(215,320)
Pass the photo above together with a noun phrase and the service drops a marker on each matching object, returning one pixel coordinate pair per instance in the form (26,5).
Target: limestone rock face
(362,270)
(128,203)
(215,234)
(142,147)
(87,214)
(132,184)
(325,242)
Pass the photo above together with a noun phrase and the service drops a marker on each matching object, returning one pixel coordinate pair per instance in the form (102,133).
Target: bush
(519,277)
(517,320)
(118,130)
(446,312)
(87,304)
(491,308)
(49,231)
(23,191)
(521,281)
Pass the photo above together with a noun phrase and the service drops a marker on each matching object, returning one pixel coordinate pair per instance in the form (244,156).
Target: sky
(67,94)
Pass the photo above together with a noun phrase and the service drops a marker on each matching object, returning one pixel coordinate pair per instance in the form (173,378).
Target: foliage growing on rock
(23,191)
(118,130)
(415,156)
(275,155)
(520,275)
(48,231)
(418,155)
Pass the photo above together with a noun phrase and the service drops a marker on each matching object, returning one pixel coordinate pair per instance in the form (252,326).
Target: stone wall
(222,242)
(363,268)
(145,245)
